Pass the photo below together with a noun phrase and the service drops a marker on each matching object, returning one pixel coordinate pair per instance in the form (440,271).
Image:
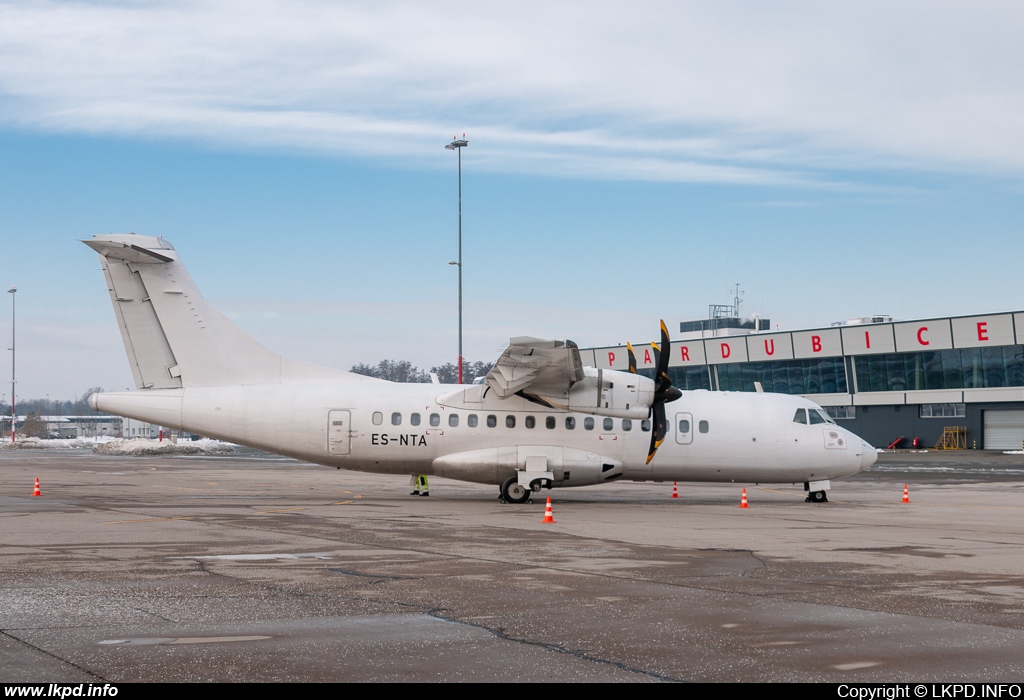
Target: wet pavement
(257,568)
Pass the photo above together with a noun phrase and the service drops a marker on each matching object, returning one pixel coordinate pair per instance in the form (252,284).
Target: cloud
(739,92)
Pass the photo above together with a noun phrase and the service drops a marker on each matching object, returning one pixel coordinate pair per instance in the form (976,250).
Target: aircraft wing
(540,367)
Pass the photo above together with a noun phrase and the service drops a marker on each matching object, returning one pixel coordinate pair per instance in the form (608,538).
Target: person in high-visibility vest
(420,486)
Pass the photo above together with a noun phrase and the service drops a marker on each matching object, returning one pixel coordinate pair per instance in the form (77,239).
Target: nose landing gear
(816,491)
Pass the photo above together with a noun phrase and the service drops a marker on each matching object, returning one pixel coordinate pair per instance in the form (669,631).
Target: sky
(626,162)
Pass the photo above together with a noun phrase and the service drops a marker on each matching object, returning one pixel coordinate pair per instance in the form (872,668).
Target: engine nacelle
(606,392)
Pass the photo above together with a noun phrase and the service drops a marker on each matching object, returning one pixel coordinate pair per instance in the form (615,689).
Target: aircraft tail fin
(173,337)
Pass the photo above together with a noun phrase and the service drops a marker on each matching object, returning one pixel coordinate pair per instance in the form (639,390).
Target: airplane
(540,419)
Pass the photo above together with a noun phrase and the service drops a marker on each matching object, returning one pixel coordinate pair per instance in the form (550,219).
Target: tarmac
(256,568)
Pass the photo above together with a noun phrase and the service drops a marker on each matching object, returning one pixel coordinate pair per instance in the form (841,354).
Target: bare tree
(34,426)
(393,371)
(404,371)
(448,373)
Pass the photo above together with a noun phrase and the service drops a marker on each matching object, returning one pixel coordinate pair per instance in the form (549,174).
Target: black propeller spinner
(664,392)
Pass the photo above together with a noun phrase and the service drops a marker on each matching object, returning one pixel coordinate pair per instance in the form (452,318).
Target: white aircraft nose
(868,456)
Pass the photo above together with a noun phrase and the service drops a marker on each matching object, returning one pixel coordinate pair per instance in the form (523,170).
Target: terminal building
(955,381)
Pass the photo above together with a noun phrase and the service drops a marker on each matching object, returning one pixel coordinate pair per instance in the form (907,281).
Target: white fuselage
(462,432)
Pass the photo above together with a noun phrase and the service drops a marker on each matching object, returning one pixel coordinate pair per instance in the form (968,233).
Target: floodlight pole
(457,145)
(13,292)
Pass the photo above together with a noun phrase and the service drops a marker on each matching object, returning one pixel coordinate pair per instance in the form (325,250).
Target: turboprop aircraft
(540,420)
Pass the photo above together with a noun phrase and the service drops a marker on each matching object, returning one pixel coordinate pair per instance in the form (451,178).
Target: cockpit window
(816,417)
(826,416)
(801,416)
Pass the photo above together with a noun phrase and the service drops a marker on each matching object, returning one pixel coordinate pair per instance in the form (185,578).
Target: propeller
(664,392)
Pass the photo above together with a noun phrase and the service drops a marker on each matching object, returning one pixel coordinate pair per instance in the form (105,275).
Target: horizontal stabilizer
(129,252)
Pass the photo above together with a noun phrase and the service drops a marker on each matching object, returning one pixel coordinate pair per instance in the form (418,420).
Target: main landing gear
(816,497)
(514,492)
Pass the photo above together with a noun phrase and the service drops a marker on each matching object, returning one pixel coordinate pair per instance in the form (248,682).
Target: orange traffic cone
(548,515)
(675,490)
(906,493)
(743,500)
(37,492)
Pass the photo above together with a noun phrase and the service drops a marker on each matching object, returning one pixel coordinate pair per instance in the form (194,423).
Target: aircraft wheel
(514,492)
(817,497)
(537,484)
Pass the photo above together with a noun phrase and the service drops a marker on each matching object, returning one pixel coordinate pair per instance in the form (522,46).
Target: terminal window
(964,368)
(943,410)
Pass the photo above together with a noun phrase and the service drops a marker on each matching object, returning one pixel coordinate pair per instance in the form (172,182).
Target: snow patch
(143,446)
(34,443)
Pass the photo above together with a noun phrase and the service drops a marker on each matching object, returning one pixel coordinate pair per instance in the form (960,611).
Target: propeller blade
(664,392)
(663,357)
(658,429)
(632,358)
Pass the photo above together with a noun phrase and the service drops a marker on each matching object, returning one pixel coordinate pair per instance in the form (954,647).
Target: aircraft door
(684,428)
(339,425)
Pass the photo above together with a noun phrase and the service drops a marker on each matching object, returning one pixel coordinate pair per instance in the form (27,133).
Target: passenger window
(453,420)
(588,423)
(627,425)
(471,421)
(570,423)
(378,417)
(510,421)
(435,420)
(492,421)
(549,422)
(703,426)
(396,419)
(531,422)
(414,419)
(815,417)
(801,416)
(684,426)
(609,425)
(645,425)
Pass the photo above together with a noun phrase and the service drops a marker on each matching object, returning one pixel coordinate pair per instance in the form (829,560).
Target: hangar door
(1004,430)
